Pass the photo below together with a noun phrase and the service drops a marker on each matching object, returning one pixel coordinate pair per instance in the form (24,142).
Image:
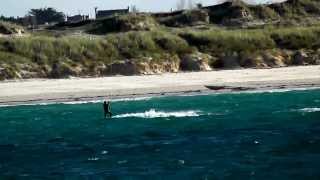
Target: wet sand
(86,89)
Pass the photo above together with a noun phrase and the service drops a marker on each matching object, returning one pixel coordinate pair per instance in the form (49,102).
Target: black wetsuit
(106,108)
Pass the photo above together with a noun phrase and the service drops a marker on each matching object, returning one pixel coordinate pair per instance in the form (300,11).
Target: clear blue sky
(71,7)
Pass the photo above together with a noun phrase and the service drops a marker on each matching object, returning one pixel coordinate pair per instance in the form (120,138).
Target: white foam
(112,100)
(38,104)
(258,91)
(310,110)
(82,102)
(293,89)
(5,105)
(132,99)
(152,113)
(274,90)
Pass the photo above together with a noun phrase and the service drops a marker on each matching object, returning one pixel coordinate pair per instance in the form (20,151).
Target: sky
(72,7)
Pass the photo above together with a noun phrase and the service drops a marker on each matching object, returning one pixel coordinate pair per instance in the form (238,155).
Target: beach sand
(81,89)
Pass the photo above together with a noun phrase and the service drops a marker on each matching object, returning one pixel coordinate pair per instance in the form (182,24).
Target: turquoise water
(224,136)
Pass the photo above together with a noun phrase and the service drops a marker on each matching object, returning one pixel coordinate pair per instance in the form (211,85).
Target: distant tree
(9,19)
(47,15)
(199,5)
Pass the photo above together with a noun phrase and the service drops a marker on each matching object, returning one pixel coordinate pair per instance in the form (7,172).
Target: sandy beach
(76,89)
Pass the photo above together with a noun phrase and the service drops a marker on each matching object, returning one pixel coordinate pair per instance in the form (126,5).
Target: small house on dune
(107,13)
(77,18)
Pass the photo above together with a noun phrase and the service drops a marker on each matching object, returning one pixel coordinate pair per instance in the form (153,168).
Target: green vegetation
(57,57)
(138,40)
(250,40)
(47,15)
(84,54)
(264,12)
(221,41)
(187,18)
(147,44)
(124,23)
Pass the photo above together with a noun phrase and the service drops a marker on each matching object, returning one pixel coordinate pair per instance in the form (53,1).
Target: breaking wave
(152,113)
(112,100)
(276,90)
(81,102)
(310,110)
(36,104)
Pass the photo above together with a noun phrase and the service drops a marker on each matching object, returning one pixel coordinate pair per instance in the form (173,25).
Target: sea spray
(152,113)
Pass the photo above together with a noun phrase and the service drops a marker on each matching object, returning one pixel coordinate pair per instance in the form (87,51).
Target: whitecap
(152,113)
(132,99)
(14,105)
(112,100)
(93,159)
(123,162)
(5,105)
(104,152)
(80,102)
(310,110)
(292,89)
(181,162)
(259,91)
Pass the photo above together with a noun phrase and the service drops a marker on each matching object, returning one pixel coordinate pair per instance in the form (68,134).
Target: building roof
(102,13)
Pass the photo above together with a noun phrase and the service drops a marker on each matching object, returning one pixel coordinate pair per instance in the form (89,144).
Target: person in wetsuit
(107,109)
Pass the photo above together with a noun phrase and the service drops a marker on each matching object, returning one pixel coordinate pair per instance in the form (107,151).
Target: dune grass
(249,40)
(138,44)
(70,51)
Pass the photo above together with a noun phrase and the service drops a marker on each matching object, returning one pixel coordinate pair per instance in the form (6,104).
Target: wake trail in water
(152,113)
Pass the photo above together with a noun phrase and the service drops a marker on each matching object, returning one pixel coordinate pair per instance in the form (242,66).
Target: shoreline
(140,97)
(37,91)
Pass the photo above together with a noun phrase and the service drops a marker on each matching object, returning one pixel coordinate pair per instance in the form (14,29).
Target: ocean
(251,135)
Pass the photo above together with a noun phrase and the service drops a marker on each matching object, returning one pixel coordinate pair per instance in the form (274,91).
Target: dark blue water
(227,136)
